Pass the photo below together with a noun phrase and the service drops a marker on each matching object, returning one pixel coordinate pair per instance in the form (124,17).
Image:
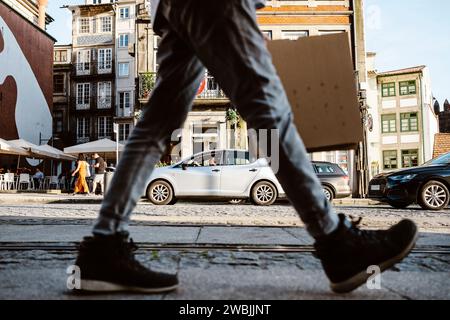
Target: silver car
(215,174)
(232,174)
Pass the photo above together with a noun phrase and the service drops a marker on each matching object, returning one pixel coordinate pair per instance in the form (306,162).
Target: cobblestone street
(216,273)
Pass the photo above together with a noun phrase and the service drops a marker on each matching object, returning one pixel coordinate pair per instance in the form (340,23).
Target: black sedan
(427,185)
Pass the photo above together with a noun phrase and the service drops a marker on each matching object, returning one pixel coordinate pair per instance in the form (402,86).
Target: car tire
(264,193)
(160,193)
(398,204)
(329,194)
(434,195)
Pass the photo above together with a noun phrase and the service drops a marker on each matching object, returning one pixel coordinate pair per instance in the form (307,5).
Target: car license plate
(375,187)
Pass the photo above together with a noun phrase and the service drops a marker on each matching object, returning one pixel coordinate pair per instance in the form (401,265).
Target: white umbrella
(61,155)
(34,151)
(98,146)
(10,149)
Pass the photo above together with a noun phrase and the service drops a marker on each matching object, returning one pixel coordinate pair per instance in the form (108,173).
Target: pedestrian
(99,168)
(38,178)
(224,37)
(81,184)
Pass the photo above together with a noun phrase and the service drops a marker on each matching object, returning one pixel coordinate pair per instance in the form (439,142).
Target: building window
(294,35)
(104,95)
(84,25)
(124,100)
(58,83)
(124,69)
(58,121)
(124,13)
(83,92)
(83,61)
(388,89)
(388,123)
(104,60)
(105,24)
(104,127)
(124,131)
(83,129)
(410,158)
(123,41)
(60,56)
(407,88)
(390,159)
(409,122)
(156,40)
(267,34)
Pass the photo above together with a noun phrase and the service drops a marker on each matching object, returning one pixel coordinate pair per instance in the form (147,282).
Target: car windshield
(443,159)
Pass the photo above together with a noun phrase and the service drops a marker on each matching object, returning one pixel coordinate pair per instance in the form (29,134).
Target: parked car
(334,180)
(230,174)
(427,185)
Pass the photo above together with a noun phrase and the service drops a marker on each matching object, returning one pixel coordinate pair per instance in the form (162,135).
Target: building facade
(26,83)
(444,118)
(408,123)
(213,123)
(103,71)
(32,10)
(62,70)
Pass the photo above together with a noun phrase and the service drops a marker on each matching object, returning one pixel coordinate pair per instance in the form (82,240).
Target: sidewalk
(53,197)
(214,274)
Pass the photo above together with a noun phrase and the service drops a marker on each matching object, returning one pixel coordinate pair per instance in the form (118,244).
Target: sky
(403,33)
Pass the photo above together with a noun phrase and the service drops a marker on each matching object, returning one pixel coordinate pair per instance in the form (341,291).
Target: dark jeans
(224,37)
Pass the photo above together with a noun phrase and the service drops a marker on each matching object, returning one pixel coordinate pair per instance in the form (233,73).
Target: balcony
(124,112)
(209,88)
(104,102)
(93,68)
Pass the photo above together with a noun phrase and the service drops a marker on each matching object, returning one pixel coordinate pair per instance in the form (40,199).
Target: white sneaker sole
(361,278)
(103,286)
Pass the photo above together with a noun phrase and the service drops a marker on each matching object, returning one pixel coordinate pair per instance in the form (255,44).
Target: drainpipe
(42,9)
(422,117)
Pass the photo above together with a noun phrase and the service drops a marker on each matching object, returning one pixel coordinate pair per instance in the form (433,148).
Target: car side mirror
(184,166)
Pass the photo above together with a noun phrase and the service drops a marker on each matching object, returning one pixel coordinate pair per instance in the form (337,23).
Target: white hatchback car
(216,174)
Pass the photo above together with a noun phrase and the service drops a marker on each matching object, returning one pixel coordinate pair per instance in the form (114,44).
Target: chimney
(42,9)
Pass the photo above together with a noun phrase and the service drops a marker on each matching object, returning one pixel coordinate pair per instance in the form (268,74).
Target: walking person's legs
(106,260)
(229,43)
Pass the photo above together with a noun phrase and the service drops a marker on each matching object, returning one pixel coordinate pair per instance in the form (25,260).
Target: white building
(404,122)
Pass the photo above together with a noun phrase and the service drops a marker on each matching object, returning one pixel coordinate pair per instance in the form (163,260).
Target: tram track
(61,247)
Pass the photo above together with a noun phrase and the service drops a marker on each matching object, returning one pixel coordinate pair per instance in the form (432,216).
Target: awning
(33,150)
(10,149)
(61,155)
(98,146)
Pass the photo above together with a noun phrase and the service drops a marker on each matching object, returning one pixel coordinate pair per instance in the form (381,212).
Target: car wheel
(328,193)
(160,193)
(398,204)
(264,193)
(236,201)
(434,195)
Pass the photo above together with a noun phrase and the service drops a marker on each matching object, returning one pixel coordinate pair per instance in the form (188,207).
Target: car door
(200,175)
(238,172)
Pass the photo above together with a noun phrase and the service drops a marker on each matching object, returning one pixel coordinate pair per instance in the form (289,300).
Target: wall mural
(24,108)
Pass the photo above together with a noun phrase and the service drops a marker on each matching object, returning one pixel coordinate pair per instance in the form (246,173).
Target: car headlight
(403,177)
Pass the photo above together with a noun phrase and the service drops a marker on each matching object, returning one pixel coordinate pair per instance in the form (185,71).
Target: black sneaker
(347,253)
(107,263)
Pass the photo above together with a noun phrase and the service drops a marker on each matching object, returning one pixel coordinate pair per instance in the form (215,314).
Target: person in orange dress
(81,185)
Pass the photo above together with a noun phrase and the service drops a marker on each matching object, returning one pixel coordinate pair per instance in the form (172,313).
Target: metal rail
(72,246)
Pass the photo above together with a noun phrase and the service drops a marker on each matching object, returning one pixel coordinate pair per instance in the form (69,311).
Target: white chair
(53,181)
(2,177)
(62,183)
(24,178)
(9,182)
